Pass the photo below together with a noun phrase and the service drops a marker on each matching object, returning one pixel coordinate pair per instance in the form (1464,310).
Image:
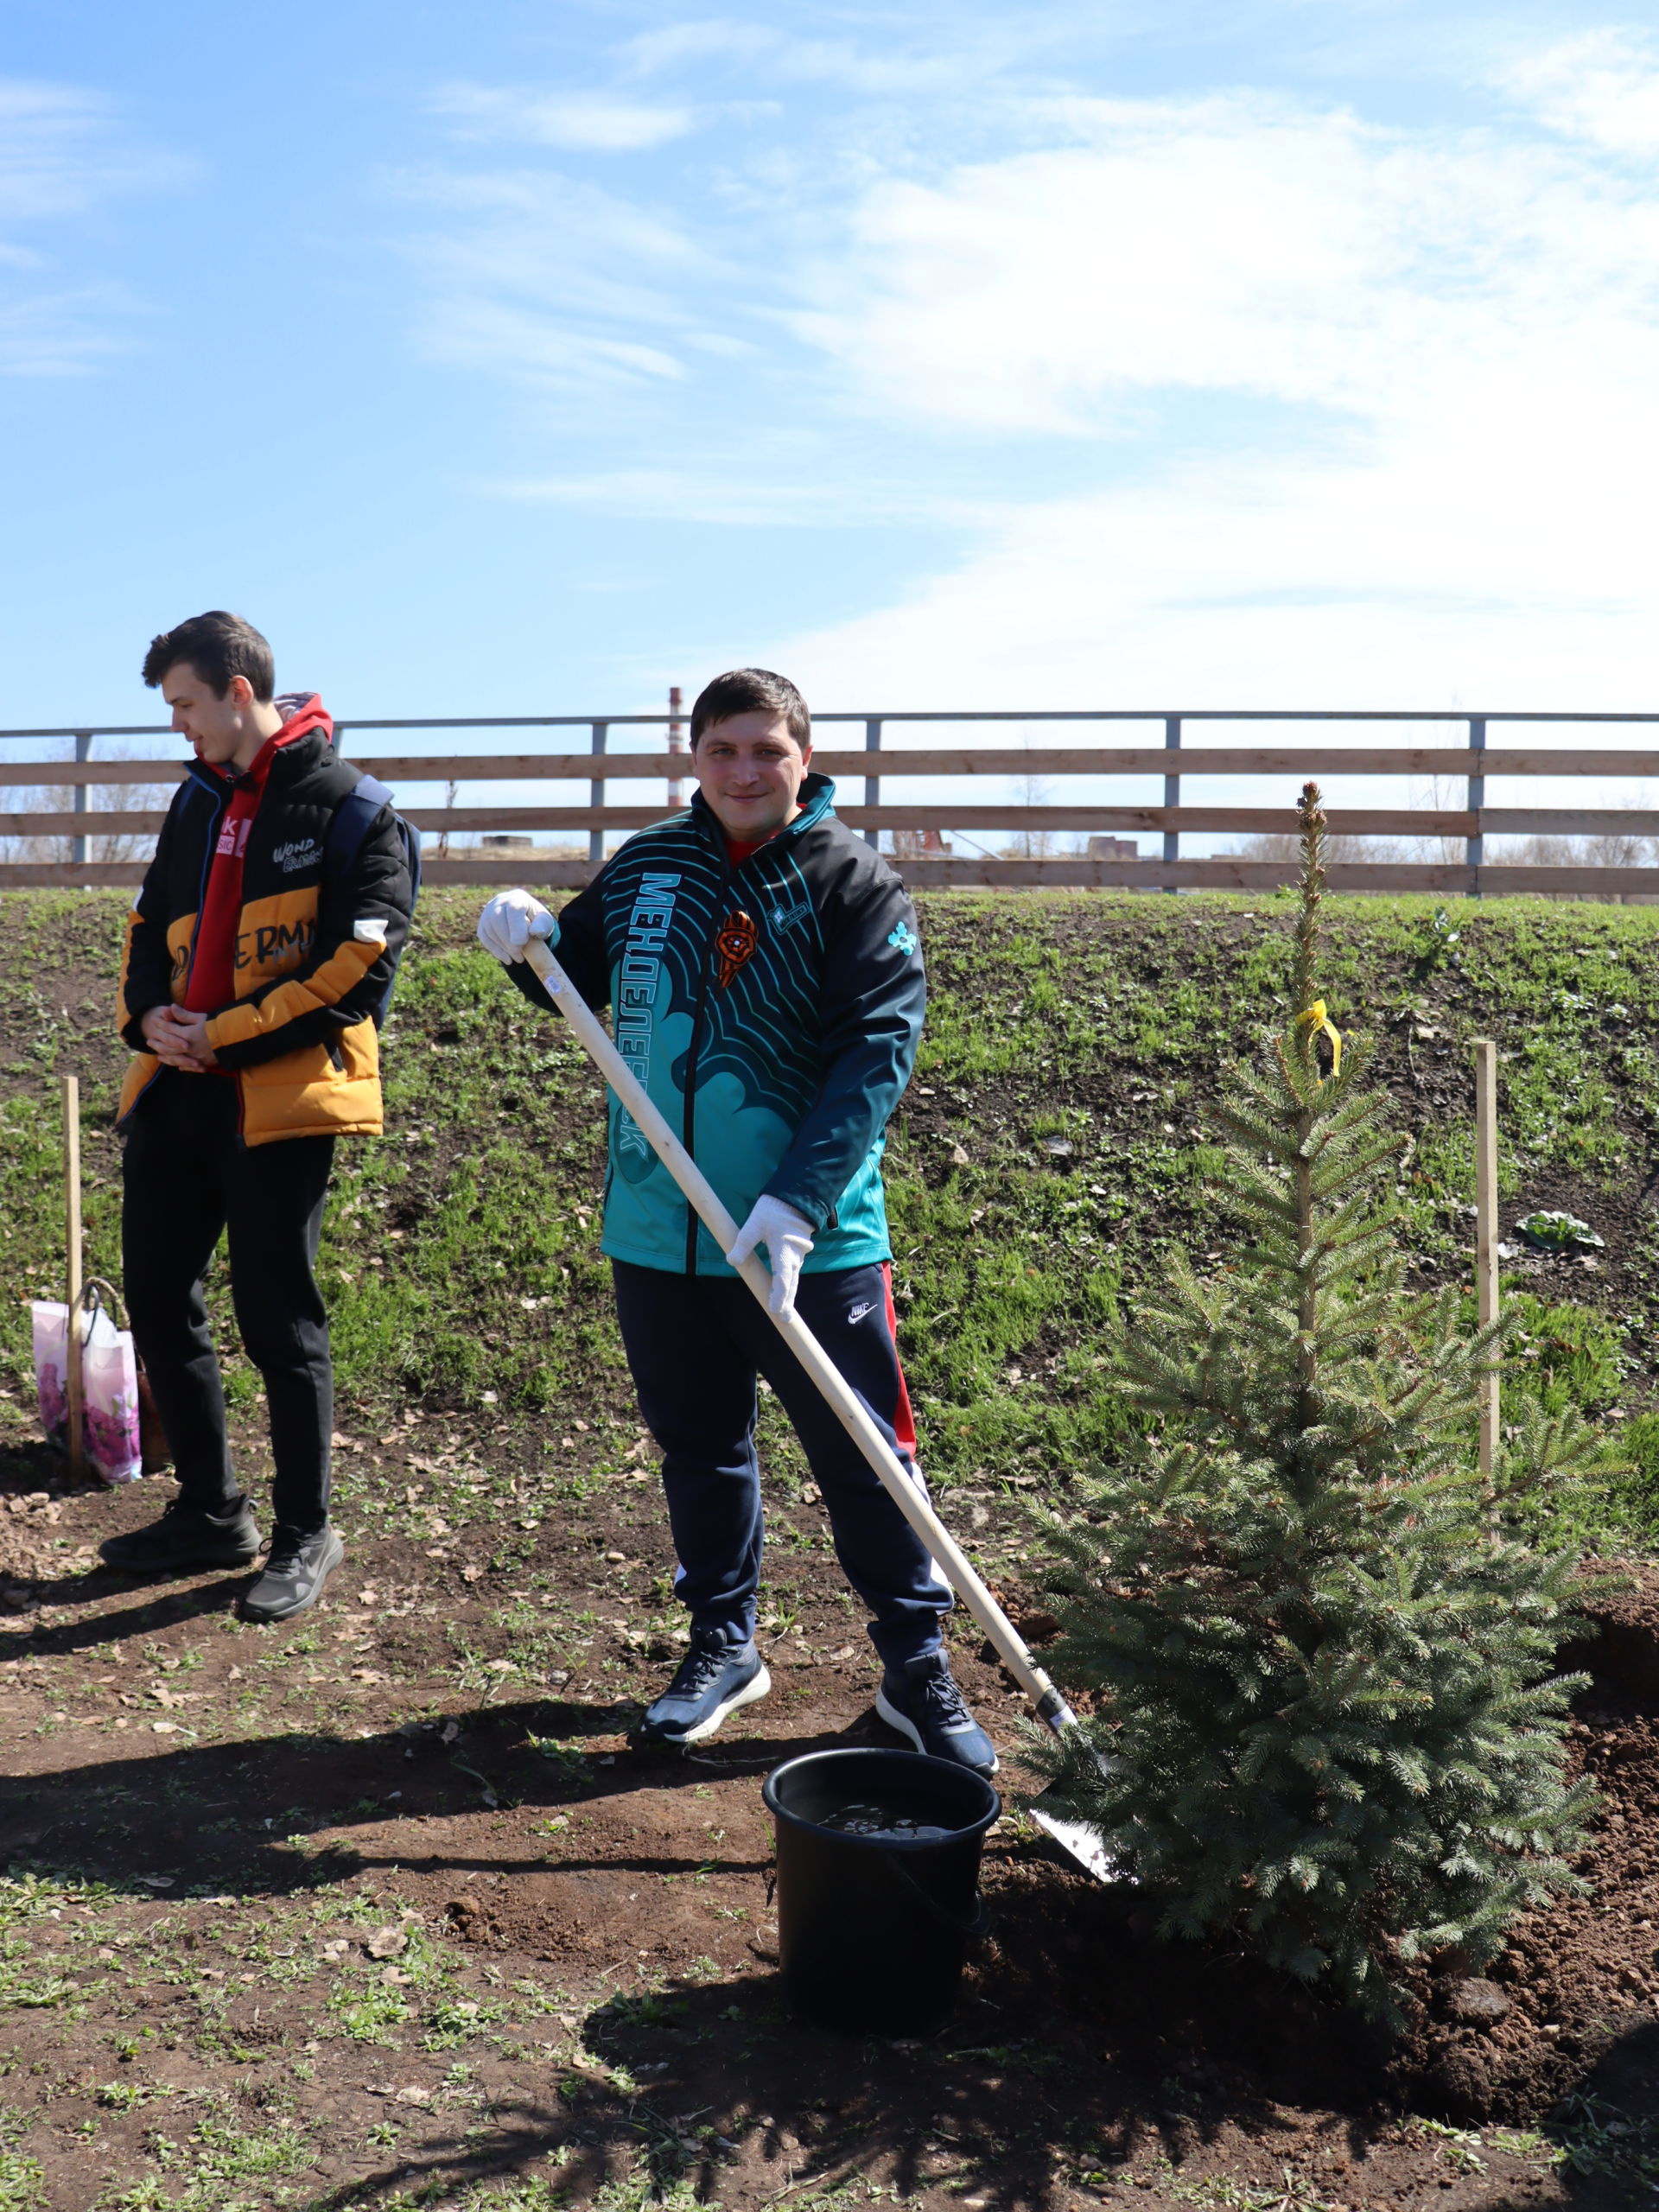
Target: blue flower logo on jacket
(906,939)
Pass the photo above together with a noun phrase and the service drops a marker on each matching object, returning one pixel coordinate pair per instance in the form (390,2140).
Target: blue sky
(523,358)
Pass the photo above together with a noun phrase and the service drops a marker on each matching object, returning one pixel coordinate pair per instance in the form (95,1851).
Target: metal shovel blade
(1083,1844)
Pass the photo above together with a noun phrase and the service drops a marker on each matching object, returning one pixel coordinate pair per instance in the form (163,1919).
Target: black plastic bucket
(873,1928)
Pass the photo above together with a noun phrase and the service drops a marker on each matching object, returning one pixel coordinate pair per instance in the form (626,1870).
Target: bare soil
(633,1890)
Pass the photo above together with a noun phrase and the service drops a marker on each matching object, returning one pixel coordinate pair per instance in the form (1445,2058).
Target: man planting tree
(764,978)
(259,957)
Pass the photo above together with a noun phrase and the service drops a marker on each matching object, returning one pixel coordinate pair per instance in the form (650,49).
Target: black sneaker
(295,1575)
(713,1679)
(186,1539)
(923,1702)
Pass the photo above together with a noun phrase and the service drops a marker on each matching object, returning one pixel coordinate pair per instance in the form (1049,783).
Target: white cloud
(722,345)
(1254,586)
(487,335)
(544,235)
(1357,413)
(534,275)
(1459,336)
(744,494)
(65,333)
(776,57)
(1602,86)
(1231,245)
(63,151)
(575,121)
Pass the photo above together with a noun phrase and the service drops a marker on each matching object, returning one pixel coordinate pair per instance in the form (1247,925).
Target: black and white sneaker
(186,1539)
(295,1576)
(923,1702)
(713,1679)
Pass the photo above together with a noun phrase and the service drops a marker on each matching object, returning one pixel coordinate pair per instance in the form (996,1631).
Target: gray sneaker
(295,1576)
(186,1539)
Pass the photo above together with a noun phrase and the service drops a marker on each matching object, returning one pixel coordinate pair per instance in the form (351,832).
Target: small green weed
(458,2020)
(369,2015)
(1598,2138)
(21,2180)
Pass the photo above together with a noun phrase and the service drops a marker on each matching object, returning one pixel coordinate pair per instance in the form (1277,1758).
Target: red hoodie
(211,983)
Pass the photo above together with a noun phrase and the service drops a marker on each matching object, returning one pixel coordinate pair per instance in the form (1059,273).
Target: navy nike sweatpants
(696,1344)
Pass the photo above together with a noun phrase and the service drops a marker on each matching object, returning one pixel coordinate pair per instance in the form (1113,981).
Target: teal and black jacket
(772,1009)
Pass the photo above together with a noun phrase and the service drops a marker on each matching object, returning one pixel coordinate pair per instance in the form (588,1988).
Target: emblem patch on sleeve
(906,939)
(734,943)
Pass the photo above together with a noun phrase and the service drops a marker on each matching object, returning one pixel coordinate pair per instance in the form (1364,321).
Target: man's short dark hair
(217,647)
(745,692)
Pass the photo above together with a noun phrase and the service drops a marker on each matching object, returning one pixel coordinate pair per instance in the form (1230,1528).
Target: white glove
(787,1237)
(509,922)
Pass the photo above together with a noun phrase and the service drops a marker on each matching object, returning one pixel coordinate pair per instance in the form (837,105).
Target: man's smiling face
(214,727)
(751,770)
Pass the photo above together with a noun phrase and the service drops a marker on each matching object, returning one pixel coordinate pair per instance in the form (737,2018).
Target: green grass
(1053,1150)
(222,2165)
(21,2180)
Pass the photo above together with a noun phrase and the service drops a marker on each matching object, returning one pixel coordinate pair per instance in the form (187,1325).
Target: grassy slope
(1051,1152)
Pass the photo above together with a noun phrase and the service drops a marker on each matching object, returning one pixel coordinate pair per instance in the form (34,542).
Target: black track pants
(696,1345)
(187,1176)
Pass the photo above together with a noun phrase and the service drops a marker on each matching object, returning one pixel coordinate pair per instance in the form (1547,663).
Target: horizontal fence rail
(859,774)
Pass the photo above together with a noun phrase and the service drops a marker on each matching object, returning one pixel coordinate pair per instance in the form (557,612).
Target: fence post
(676,745)
(873,784)
(1172,791)
(1475,850)
(597,797)
(83,752)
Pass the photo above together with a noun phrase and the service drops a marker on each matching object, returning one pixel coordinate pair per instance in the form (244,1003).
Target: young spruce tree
(1326,1724)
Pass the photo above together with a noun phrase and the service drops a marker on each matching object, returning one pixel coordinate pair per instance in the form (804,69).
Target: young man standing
(259,954)
(765,978)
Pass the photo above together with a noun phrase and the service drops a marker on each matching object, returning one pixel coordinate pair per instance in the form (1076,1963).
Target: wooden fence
(1285,766)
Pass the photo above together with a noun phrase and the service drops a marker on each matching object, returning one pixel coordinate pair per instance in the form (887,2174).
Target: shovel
(1081,1843)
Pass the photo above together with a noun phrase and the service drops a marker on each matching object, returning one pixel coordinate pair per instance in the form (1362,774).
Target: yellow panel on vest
(274,936)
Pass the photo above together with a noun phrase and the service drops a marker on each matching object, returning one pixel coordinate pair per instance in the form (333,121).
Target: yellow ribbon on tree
(1320,1023)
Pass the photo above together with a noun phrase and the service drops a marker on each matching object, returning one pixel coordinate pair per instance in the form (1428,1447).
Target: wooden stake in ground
(72,1225)
(1487,1228)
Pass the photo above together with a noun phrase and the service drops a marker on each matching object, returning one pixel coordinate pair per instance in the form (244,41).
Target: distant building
(1113,848)
(920,844)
